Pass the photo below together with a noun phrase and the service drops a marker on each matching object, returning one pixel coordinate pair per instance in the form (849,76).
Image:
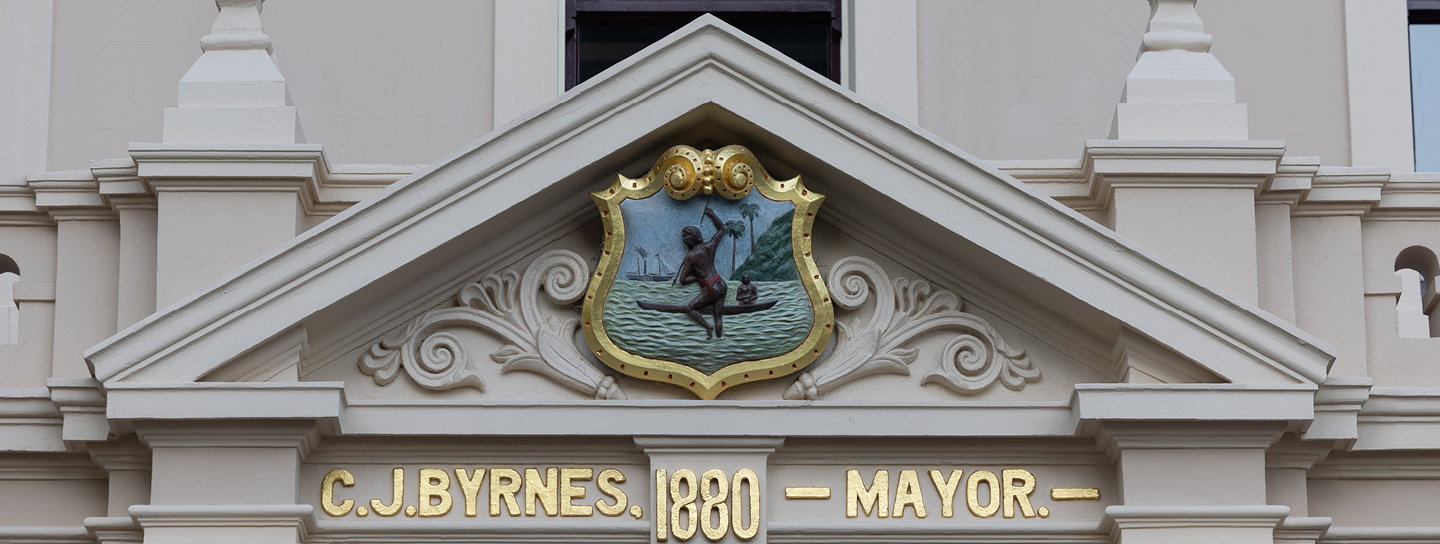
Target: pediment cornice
(709,74)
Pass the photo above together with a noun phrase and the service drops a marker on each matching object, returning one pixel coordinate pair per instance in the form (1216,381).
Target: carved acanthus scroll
(903,310)
(506,304)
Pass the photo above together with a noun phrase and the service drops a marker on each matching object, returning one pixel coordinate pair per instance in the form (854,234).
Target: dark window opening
(601,33)
(1425,82)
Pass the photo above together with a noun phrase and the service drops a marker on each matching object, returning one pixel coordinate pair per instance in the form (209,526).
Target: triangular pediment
(924,208)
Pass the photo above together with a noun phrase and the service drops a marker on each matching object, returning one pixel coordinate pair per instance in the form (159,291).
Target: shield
(706,278)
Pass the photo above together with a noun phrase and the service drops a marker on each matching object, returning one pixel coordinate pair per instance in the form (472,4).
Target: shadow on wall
(1417,267)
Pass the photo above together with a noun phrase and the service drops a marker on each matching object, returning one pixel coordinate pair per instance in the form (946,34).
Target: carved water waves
(671,336)
(904,309)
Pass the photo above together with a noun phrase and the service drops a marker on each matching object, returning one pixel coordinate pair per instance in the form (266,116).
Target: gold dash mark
(807,492)
(1075,494)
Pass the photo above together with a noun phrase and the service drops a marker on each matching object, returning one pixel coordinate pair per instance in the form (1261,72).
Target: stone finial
(237,27)
(1178,90)
(234,93)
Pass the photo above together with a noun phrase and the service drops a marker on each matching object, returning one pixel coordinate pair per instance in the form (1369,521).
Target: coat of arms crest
(711,284)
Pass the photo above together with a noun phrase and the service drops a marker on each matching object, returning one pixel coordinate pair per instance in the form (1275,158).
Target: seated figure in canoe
(699,267)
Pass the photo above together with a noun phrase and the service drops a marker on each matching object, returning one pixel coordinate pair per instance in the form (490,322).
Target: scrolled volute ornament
(505,304)
(903,310)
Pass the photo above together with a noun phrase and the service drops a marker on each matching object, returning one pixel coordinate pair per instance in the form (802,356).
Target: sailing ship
(642,271)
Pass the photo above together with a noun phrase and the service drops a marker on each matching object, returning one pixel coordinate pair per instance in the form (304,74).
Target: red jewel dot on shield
(607,252)
(692,384)
(827,299)
(817,352)
(647,373)
(807,235)
(817,276)
(772,372)
(669,376)
(804,192)
(810,215)
(793,366)
(622,366)
(807,253)
(747,376)
(827,327)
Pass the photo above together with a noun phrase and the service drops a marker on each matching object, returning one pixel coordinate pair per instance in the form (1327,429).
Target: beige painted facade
(1104,272)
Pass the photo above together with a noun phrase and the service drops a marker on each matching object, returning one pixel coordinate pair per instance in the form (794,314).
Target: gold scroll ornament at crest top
(728,172)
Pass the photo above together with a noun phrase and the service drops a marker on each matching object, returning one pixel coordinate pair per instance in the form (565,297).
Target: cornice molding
(1342,191)
(70,196)
(1166,164)
(1400,418)
(17,204)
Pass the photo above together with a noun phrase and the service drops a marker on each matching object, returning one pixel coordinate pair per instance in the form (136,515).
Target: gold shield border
(683,172)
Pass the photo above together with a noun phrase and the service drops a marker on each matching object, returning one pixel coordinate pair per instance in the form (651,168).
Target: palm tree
(750,210)
(735,229)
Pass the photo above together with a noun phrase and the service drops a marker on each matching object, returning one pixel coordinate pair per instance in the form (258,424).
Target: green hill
(773,258)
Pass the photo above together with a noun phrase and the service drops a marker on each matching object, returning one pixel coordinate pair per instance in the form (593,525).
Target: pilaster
(1219,496)
(1273,238)
(127,463)
(690,467)
(1329,271)
(133,201)
(86,265)
(1287,465)
(1287,468)
(222,205)
(230,480)
(1193,203)
(1218,433)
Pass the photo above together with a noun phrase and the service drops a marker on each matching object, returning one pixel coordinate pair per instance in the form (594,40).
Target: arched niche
(1417,268)
(9,311)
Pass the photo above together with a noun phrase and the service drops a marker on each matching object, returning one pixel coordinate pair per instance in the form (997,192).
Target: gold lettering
(685,502)
(907,493)
(434,484)
(713,529)
(504,482)
(327,492)
(972,493)
(874,497)
(946,488)
(661,487)
(606,487)
(742,477)
(1019,493)
(397,498)
(537,490)
(470,487)
(569,493)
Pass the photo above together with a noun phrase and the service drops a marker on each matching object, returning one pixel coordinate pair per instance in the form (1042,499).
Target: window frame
(660,8)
